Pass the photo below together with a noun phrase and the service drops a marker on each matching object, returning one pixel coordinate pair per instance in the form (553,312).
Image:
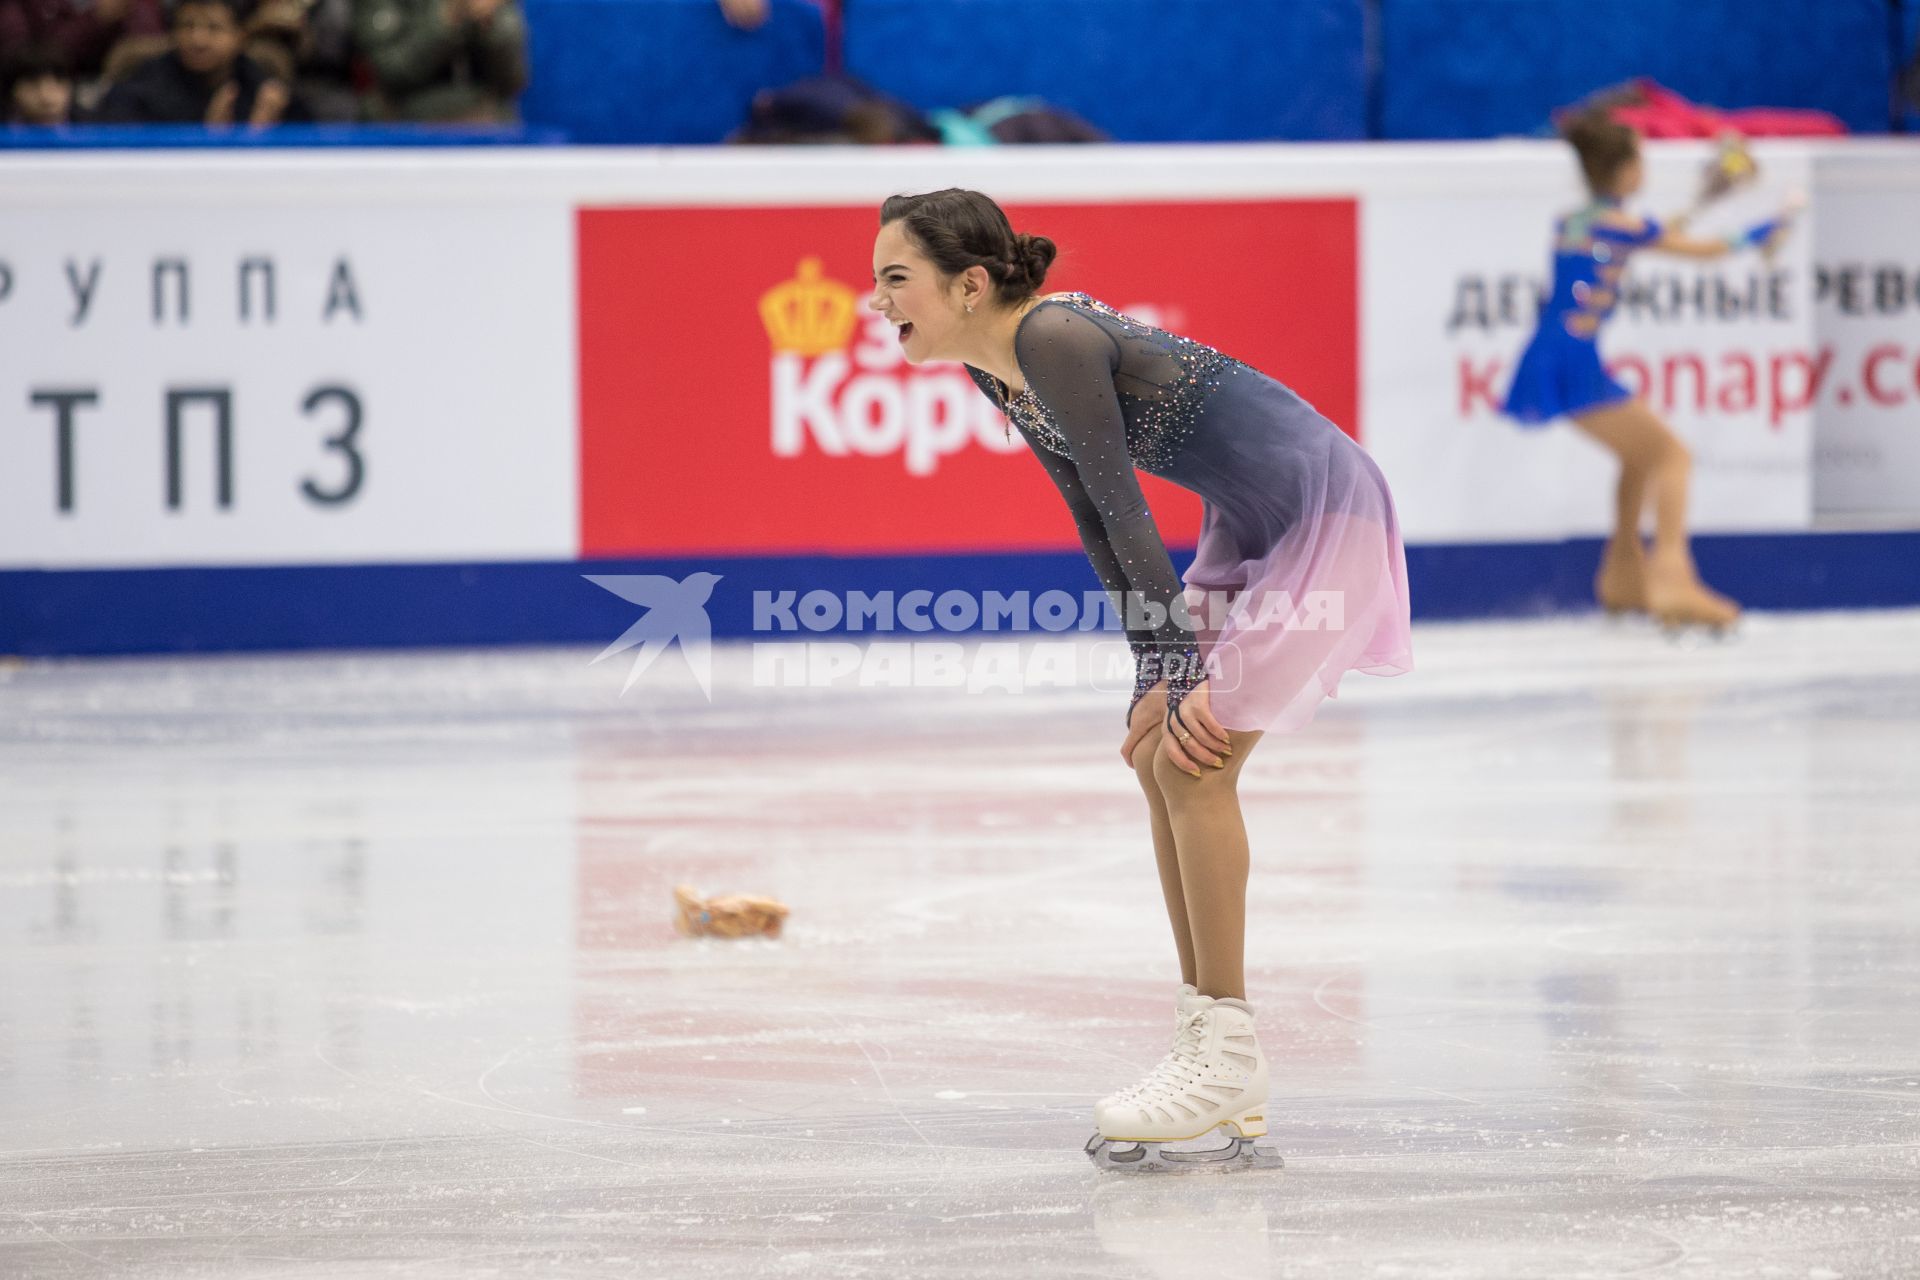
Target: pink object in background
(1659,112)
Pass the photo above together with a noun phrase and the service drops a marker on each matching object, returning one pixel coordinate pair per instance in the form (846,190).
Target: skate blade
(1237,1155)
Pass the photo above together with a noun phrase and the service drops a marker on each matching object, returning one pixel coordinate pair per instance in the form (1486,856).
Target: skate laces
(1189,1041)
(1190,1032)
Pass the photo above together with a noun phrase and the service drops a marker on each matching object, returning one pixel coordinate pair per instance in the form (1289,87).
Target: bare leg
(1654,465)
(1621,584)
(1210,837)
(1653,462)
(1165,851)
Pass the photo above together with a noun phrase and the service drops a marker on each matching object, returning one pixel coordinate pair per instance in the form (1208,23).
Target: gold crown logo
(808,315)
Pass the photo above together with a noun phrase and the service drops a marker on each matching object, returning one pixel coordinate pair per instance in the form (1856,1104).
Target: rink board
(106,611)
(235,380)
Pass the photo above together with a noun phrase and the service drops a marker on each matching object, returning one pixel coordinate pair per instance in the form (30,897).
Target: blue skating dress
(1560,372)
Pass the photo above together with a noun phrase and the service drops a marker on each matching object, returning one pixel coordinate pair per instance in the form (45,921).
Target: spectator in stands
(38,89)
(205,79)
(80,32)
(832,110)
(1013,120)
(309,44)
(275,31)
(446,61)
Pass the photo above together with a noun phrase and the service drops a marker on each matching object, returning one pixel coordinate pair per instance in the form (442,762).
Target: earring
(969,308)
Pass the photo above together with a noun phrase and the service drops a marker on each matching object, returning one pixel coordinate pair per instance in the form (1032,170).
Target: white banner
(287,358)
(1867,316)
(274,377)
(1722,350)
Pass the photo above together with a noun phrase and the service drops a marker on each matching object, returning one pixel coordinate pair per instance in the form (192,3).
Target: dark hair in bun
(959,229)
(1604,145)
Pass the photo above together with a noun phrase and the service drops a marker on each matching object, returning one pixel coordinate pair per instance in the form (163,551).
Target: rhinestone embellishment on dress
(1156,425)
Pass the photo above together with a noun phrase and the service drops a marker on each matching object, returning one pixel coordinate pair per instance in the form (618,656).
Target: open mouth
(906,331)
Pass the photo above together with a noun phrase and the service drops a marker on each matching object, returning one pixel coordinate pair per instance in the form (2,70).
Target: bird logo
(674,611)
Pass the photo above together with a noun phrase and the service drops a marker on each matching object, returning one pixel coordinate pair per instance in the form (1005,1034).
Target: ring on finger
(1185,737)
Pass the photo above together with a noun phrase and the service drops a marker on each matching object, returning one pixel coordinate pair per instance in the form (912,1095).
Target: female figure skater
(1560,375)
(1295,514)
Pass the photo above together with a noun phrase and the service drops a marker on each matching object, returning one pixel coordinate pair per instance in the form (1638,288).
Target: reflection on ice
(1577,953)
(1184,1227)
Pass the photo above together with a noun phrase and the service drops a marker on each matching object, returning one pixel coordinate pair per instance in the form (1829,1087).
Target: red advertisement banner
(737,397)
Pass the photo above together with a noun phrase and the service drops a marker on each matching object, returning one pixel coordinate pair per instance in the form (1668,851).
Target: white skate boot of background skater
(1213,1078)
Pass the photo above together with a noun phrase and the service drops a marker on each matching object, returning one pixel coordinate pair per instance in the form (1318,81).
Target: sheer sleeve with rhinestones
(1093,539)
(1069,364)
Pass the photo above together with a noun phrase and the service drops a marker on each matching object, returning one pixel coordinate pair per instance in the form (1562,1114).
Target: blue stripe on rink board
(125,611)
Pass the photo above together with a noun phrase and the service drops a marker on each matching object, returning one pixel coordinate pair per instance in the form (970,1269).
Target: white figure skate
(1181,1004)
(1214,1078)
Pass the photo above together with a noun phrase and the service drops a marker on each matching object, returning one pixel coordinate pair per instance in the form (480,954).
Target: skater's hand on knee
(1195,738)
(1147,713)
(1197,710)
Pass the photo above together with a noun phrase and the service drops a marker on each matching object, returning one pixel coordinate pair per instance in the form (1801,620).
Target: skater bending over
(1294,514)
(1561,374)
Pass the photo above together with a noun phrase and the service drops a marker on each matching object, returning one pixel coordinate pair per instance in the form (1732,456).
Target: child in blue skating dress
(1561,375)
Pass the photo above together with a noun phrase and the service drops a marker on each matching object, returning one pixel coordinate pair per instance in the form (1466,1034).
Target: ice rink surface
(1577,953)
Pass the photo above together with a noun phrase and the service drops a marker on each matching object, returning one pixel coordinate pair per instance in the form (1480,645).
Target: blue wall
(1143,70)
(1478,68)
(660,71)
(671,71)
(1906,44)
(164,610)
